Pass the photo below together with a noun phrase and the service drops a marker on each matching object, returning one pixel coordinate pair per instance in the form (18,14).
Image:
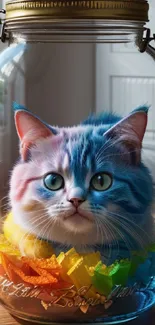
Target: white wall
(125,79)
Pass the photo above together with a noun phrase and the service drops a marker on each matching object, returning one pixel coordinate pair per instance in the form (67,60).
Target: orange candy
(50,264)
(32,271)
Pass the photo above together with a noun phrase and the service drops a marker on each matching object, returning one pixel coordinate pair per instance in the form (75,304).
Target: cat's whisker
(98,230)
(120,235)
(110,142)
(31,230)
(49,230)
(129,225)
(42,233)
(109,239)
(102,159)
(103,147)
(133,234)
(105,234)
(25,224)
(6,203)
(33,227)
(112,226)
(130,221)
(130,230)
(38,237)
(35,218)
(36,210)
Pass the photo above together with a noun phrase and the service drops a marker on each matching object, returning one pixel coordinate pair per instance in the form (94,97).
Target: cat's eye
(101,182)
(53,181)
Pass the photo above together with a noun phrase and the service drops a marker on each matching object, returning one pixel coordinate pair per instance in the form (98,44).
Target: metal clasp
(145,44)
(3,35)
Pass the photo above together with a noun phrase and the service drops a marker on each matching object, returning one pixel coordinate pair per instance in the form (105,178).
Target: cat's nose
(76,201)
(76,196)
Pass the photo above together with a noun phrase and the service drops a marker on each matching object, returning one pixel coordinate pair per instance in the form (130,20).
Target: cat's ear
(129,132)
(29,128)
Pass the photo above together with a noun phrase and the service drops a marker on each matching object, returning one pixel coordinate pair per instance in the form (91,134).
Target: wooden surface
(146,319)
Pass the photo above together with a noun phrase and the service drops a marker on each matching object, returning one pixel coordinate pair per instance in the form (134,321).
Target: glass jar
(64,61)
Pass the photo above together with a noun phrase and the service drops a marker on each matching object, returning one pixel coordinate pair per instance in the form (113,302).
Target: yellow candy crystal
(28,244)
(92,259)
(75,269)
(81,277)
(67,260)
(8,248)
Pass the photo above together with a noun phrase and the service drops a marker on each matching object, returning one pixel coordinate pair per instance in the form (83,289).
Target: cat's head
(81,185)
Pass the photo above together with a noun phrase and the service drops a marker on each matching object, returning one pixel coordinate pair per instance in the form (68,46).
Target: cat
(83,186)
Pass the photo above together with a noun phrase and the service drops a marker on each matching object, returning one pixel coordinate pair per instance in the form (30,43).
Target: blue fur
(132,187)
(103,118)
(131,190)
(144,108)
(110,118)
(17,107)
(44,193)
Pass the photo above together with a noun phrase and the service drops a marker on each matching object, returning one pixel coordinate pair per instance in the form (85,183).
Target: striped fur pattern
(104,144)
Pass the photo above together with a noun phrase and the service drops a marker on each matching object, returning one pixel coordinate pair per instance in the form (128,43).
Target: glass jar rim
(84,30)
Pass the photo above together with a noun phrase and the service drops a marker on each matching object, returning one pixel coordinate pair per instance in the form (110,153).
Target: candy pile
(71,268)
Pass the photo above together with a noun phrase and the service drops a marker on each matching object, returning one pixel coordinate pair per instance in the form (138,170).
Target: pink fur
(46,156)
(49,215)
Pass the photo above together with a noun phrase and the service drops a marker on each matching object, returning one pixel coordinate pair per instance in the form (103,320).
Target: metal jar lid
(97,21)
(134,10)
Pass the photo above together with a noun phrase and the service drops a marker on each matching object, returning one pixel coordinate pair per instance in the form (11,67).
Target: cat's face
(75,186)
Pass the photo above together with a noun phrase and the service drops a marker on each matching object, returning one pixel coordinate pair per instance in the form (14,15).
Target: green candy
(151,248)
(105,278)
(137,258)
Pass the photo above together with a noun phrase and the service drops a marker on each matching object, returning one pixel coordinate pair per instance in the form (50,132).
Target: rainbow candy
(106,277)
(87,270)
